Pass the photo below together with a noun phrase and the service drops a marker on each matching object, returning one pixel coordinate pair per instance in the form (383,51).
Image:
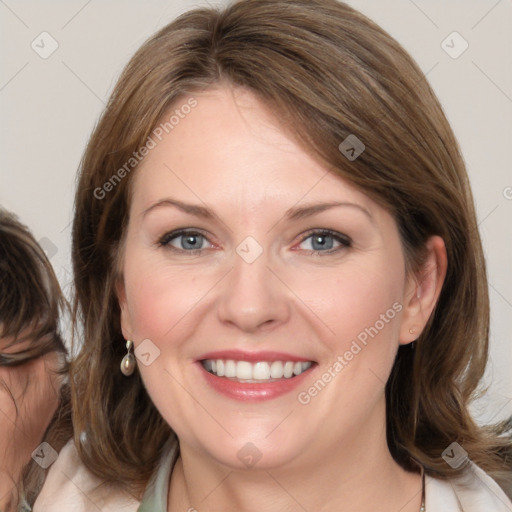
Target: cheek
(34,389)
(10,438)
(41,398)
(7,406)
(162,306)
(358,301)
(362,309)
(159,296)
(372,302)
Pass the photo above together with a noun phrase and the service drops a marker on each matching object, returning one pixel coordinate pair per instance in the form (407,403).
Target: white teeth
(288,369)
(260,371)
(230,368)
(220,368)
(243,370)
(276,370)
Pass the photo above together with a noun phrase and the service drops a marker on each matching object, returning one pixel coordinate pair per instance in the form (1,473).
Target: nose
(252,297)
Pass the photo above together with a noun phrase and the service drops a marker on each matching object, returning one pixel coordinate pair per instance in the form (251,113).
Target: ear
(422,291)
(126,326)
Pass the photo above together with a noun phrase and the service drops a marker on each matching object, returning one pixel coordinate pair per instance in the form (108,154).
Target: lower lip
(253,392)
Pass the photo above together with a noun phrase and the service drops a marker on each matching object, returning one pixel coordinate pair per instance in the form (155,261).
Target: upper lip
(252,357)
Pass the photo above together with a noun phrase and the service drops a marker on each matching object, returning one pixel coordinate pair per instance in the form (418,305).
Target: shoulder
(473,491)
(71,486)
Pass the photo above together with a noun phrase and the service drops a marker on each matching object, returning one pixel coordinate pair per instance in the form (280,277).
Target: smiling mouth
(254,373)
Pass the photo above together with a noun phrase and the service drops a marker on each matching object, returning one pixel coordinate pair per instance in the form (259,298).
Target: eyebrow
(295,213)
(302,212)
(192,209)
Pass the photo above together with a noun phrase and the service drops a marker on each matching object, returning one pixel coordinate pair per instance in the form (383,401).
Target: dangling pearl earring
(128,363)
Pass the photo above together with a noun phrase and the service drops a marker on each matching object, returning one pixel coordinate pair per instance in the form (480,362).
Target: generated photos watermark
(152,141)
(342,361)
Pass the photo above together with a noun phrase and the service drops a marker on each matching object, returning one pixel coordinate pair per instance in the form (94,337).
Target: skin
(25,415)
(231,155)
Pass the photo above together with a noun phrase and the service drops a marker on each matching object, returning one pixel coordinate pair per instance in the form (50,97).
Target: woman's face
(28,400)
(244,256)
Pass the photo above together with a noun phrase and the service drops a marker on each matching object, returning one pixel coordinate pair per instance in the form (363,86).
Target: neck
(359,474)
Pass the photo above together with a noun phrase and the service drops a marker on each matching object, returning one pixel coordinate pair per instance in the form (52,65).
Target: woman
(31,357)
(275,238)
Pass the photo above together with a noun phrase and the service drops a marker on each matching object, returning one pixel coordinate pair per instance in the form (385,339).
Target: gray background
(49,107)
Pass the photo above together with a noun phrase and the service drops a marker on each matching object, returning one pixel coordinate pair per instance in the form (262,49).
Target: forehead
(231,148)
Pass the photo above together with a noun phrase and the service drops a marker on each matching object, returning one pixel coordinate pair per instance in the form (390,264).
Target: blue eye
(193,242)
(189,241)
(324,241)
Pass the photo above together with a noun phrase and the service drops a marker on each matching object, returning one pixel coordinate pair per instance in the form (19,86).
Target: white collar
(474,491)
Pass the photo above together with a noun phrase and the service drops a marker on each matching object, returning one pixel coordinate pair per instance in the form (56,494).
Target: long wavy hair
(326,71)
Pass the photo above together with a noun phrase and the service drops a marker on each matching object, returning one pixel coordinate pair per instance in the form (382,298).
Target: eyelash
(343,240)
(168,237)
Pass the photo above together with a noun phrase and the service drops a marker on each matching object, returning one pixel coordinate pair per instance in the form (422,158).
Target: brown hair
(327,72)
(31,303)
(30,295)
